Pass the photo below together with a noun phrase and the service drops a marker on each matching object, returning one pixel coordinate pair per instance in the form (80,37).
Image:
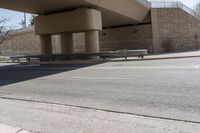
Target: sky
(16,17)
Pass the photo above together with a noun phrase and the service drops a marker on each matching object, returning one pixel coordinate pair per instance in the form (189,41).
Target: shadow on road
(10,74)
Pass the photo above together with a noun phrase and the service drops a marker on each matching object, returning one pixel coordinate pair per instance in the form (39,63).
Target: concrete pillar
(92,41)
(66,43)
(46,44)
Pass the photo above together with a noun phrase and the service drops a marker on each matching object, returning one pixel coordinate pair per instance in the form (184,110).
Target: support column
(66,43)
(46,44)
(92,41)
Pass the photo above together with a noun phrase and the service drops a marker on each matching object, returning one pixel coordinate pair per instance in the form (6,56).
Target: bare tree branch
(4,36)
(197,8)
(4,30)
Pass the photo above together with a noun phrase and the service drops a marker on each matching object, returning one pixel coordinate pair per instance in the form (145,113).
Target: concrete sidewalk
(52,118)
(11,129)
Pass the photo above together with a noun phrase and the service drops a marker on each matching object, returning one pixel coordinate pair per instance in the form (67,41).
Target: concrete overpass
(66,17)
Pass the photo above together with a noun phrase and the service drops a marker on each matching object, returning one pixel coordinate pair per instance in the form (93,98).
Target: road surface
(165,89)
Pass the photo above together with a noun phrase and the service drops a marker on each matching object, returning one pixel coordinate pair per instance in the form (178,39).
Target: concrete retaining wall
(134,37)
(175,30)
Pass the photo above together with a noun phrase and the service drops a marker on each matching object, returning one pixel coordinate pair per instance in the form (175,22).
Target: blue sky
(17,17)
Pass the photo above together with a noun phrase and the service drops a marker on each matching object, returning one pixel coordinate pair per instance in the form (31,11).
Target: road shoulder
(43,117)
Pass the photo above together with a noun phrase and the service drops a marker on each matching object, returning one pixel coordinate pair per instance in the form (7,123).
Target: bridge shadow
(15,73)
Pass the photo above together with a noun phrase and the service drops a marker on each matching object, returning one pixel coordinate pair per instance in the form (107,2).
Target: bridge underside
(114,12)
(65,17)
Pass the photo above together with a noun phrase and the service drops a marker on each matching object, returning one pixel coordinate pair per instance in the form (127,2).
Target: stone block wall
(26,43)
(21,43)
(175,30)
(131,37)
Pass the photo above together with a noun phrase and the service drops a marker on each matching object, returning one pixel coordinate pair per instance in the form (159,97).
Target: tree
(197,8)
(4,30)
(32,20)
(22,24)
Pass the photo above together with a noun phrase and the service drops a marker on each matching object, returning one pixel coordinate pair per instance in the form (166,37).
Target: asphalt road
(160,88)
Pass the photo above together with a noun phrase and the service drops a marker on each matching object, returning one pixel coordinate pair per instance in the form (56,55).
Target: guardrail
(174,4)
(110,54)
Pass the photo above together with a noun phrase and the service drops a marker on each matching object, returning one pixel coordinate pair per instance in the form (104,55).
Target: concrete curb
(11,129)
(66,62)
(158,58)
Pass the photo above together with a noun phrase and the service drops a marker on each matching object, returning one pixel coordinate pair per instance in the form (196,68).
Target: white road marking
(104,78)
